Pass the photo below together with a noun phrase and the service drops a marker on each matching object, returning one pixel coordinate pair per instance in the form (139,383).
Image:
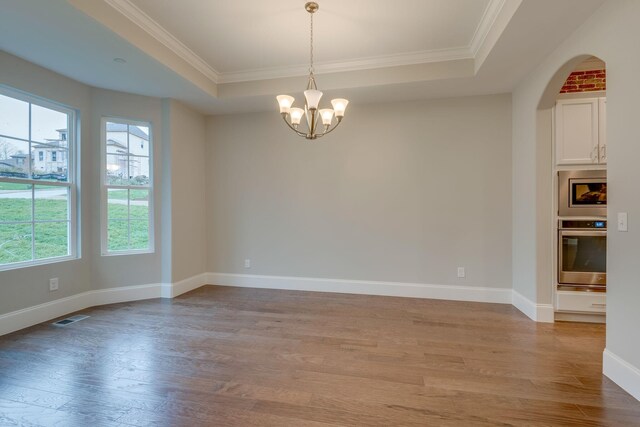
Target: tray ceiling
(229,56)
(240,40)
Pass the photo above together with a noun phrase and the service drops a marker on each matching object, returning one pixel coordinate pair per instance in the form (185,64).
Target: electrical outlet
(461,272)
(622,221)
(53,284)
(247,263)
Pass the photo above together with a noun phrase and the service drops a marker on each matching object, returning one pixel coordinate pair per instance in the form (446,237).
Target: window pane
(51,239)
(139,234)
(14,117)
(139,140)
(14,158)
(139,204)
(138,170)
(49,162)
(49,126)
(117,169)
(117,235)
(15,202)
(117,204)
(117,138)
(51,203)
(15,243)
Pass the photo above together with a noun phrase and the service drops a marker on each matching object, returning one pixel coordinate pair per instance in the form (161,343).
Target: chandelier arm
(330,129)
(284,117)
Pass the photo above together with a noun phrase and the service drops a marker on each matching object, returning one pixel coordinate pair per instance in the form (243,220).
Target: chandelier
(292,116)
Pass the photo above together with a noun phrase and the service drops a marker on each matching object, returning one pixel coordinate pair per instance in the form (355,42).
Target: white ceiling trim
(144,21)
(484,26)
(154,29)
(404,59)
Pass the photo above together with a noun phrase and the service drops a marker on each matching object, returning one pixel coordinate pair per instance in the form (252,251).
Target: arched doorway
(547,168)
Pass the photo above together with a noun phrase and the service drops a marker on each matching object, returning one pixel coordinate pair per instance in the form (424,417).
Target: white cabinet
(580,126)
(602,129)
(581,302)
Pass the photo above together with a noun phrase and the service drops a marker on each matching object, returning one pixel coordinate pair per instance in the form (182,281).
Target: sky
(14,120)
(14,125)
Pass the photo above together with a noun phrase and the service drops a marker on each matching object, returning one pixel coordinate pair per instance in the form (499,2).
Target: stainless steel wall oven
(582,254)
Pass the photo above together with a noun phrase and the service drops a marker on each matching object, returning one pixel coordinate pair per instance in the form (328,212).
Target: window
(54,157)
(37,201)
(127,193)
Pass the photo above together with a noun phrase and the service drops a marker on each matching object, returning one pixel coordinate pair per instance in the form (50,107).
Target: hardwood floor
(250,357)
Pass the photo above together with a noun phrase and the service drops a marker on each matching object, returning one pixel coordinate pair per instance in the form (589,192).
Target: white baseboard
(622,373)
(539,312)
(184,286)
(124,294)
(20,319)
(414,290)
(30,316)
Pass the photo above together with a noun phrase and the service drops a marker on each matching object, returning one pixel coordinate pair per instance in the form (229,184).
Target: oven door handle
(578,233)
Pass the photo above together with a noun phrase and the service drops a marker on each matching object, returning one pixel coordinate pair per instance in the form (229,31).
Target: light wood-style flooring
(221,356)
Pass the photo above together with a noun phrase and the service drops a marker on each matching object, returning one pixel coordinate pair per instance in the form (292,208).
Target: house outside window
(37,199)
(127,187)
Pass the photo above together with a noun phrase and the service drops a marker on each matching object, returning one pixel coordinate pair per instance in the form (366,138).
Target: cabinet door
(602,129)
(577,131)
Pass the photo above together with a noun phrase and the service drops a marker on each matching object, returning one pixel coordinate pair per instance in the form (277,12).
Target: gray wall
(188,192)
(126,270)
(178,132)
(610,34)
(401,192)
(26,287)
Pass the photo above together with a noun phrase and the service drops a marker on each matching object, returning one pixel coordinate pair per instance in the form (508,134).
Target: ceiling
(237,38)
(229,56)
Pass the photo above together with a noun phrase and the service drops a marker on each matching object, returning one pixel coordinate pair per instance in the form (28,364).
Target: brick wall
(585,81)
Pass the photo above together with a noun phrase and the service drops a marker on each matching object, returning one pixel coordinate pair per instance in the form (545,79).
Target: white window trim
(104,222)
(72,177)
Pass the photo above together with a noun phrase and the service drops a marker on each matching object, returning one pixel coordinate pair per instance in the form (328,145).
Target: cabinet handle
(598,305)
(603,153)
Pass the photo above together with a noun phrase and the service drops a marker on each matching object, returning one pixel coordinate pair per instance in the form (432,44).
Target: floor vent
(69,320)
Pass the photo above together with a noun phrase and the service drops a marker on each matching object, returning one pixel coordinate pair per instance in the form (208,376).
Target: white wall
(610,34)
(401,192)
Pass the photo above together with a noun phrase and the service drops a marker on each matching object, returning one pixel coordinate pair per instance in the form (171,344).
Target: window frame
(72,183)
(104,187)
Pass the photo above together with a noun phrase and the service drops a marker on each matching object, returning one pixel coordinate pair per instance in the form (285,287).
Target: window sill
(137,252)
(27,264)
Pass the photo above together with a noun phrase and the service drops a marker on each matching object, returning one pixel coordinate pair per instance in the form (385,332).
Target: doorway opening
(571,163)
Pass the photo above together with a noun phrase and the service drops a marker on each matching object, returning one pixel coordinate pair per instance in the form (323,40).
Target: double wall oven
(582,230)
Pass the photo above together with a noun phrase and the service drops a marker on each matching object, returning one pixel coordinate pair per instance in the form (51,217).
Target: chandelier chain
(311,47)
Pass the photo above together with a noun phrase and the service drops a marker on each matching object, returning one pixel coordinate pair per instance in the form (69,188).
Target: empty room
(329,213)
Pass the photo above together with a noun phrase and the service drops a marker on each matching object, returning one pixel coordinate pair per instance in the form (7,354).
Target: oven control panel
(582,224)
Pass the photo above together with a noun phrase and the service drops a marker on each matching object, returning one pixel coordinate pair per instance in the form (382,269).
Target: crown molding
(484,26)
(370,63)
(154,29)
(158,32)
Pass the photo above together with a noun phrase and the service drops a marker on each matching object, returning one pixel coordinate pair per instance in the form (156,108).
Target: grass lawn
(50,239)
(12,186)
(135,194)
